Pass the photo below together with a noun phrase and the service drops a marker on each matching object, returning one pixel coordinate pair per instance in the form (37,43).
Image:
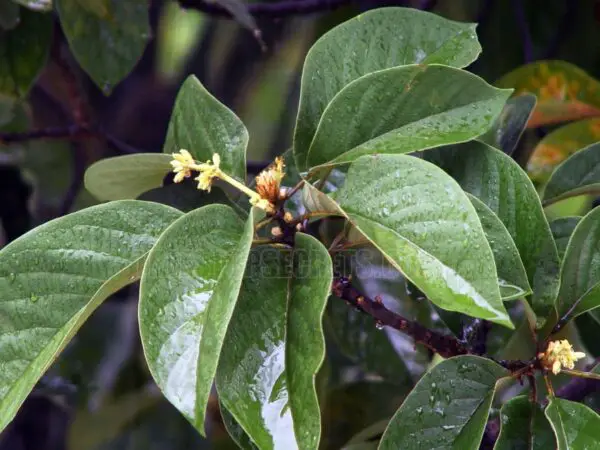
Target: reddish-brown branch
(446,346)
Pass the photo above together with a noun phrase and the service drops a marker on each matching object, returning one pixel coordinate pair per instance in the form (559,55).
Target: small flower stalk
(268,182)
(559,355)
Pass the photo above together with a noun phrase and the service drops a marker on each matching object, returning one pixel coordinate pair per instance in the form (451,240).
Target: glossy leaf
(425,225)
(562,229)
(128,176)
(524,426)
(275,346)
(23,53)
(204,126)
(404,109)
(188,292)
(580,274)
(448,408)
(368,43)
(308,291)
(564,91)
(53,278)
(512,276)
(235,431)
(504,187)
(510,124)
(575,425)
(107,46)
(559,144)
(579,174)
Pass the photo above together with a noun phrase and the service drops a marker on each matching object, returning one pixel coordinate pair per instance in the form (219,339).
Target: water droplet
(448,427)
(379,325)
(12,276)
(433,385)
(419,410)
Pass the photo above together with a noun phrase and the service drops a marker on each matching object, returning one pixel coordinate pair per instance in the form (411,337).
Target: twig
(71,132)
(475,336)
(446,346)
(274,9)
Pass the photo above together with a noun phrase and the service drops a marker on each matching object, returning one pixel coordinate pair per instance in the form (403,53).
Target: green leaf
(235,431)
(372,42)
(580,271)
(524,426)
(448,408)
(52,279)
(204,126)
(275,346)
(109,46)
(36,5)
(512,276)
(579,174)
(128,176)
(23,53)
(9,14)
(575,425)
(425,225)
(509,126)
(308,291)
(564,92)
(404,109)
(101,8)
(188,292)
(499,182)
(558,145)
(562,229)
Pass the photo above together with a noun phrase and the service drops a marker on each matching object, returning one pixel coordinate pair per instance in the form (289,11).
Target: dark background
(103,370)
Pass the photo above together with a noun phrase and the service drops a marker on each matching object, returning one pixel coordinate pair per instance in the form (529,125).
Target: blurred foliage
(113,406)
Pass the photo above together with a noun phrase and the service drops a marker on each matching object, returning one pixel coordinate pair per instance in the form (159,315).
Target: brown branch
(446,346)
(269,9)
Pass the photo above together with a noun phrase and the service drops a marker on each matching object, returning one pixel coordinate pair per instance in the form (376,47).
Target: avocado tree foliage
(397,151)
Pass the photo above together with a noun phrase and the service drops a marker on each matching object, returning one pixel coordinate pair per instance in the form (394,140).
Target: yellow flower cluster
(183,163)
(560,354)
(267,183)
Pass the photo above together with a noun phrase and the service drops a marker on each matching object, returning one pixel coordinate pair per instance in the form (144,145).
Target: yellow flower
(262,203)
(268,182)
(182,165)
(559,354)
(208,172)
